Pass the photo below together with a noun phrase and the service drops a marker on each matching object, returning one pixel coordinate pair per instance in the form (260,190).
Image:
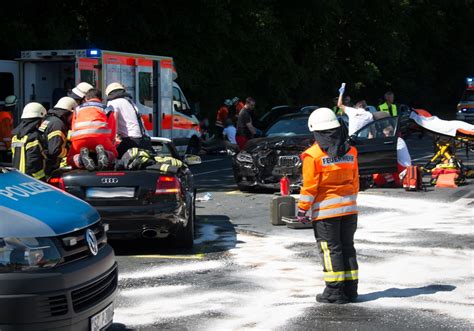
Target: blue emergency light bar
(93,53)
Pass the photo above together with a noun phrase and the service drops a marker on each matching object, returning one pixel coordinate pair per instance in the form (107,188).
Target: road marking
(212,160)
(236,192)
(198,256)
(213,171)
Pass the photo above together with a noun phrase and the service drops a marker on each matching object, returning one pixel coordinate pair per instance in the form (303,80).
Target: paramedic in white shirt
(130,127)
(358,116)
(230,132)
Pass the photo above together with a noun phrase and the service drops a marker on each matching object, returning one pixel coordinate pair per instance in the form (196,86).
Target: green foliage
(277,51)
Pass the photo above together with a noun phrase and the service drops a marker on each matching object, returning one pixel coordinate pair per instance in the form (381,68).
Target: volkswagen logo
(92,242)
(109,180)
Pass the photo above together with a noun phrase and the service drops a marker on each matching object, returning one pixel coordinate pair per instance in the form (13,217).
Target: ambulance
(46,75)
(465,106)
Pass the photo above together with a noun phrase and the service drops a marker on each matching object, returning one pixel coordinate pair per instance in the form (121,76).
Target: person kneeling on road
(27,148)
(130,127)
(54,130)
(93,129)
(329,194)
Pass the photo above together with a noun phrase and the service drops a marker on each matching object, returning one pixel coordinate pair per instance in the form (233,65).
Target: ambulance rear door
(155,95)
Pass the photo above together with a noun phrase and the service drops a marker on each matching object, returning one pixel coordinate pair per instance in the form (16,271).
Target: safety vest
(91,121)
(384,107)
(28,157)
(330,184)
(6,126)
(337,110)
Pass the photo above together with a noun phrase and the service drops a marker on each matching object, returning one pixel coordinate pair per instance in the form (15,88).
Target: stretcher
(449,137)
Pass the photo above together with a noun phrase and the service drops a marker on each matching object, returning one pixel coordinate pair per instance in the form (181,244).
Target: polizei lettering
(338,160)
(24,190)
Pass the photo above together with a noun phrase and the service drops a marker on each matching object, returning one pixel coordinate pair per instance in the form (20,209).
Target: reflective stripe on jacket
(384,107)
(330,184)
(27,155)
(93,119)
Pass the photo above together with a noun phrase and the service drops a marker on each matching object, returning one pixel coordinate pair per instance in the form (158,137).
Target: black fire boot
(350,290)
(87,160)
(102,158)
(332,295)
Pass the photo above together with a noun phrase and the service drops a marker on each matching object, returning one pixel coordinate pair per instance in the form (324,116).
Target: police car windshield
(289,127)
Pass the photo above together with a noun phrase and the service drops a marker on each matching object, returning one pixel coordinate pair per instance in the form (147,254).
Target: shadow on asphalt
(214,233)
(405,292)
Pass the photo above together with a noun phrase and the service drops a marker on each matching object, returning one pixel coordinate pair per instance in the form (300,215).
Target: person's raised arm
(340,105)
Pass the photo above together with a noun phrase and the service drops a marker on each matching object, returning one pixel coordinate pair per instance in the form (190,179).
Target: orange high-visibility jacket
(222,115)
(240,105)
(93,120)
(330,184)
(6,127)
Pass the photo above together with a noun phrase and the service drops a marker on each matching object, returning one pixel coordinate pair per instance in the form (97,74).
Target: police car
(56,269)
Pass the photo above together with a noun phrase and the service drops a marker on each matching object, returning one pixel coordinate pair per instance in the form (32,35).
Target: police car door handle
(390,142)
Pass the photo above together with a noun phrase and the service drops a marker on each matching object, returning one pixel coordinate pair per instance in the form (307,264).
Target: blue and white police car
(56,269)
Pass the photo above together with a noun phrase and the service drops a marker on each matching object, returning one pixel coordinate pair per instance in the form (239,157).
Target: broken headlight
(244,157)
(27,254)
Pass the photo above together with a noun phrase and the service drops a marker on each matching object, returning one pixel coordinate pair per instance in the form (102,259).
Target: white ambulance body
(45,76)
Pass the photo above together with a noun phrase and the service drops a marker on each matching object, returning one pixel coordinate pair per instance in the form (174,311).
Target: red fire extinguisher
(284,186)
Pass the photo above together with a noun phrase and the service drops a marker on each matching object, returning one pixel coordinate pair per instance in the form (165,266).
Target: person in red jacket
(93,129)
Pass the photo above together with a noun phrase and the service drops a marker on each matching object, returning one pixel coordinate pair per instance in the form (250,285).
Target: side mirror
(192,159)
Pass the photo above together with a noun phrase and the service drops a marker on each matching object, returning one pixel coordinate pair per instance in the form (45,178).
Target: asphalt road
(415,252)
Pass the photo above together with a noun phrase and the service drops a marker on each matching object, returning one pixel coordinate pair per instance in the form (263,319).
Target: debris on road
(206,197)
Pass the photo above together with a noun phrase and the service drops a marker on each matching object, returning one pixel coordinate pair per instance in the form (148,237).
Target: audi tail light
(57,182)
(167,185)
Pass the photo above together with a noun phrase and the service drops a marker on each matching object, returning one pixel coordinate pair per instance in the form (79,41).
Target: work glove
(301,217)
(342,88)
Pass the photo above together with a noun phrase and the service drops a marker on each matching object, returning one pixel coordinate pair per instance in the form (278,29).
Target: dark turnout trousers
(335,238)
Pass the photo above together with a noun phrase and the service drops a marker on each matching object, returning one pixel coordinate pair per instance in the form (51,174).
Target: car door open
(376,144)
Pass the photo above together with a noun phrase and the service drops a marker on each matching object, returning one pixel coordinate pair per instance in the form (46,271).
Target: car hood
(31,208)
(291,142)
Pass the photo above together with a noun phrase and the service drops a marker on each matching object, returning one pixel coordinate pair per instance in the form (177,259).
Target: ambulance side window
(6,85)
(145,93)
(88,76)
(177,100)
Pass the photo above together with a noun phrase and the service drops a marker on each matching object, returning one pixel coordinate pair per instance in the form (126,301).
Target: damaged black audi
(264,161)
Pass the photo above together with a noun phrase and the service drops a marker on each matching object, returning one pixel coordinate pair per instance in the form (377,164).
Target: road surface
(415,252)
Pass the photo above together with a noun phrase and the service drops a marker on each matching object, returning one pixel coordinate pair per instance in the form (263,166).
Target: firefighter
(54,130)
(27,149)
(79,92)
(130,128)
(221,118)
(328,194)
(6,126)
(389,107)
(92,130)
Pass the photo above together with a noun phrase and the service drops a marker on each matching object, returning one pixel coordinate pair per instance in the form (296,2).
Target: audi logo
(109,180)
